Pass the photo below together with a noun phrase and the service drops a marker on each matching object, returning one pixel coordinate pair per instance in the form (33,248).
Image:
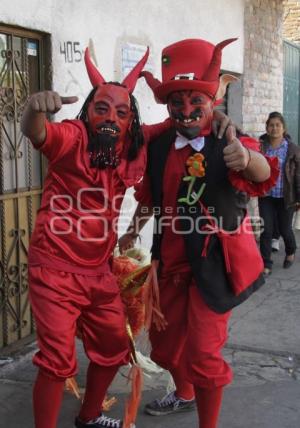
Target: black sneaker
(169,404)
(101,422)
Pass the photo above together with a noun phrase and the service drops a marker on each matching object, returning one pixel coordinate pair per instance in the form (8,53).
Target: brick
(262,80)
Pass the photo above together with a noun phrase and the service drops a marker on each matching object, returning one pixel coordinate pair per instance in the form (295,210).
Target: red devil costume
(72,243)
(203,271)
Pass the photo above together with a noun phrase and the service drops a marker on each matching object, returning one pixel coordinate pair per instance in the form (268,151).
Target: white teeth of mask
(108,130)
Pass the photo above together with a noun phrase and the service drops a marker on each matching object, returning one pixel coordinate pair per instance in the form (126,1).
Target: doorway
(24,66)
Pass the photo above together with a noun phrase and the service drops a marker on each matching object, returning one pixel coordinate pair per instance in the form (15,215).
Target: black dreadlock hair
(82,115)
(136,134)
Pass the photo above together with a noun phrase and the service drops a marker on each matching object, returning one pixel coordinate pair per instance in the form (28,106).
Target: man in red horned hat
(204,252)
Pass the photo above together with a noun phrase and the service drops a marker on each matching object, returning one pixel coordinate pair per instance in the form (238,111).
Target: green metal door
(291,85)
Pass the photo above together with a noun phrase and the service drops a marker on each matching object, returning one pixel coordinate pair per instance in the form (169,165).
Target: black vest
(226,203)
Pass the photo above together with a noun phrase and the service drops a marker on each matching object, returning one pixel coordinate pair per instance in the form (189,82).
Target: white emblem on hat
(186,76)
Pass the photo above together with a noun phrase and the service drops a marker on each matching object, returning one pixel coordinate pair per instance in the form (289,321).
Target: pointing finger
(69,100)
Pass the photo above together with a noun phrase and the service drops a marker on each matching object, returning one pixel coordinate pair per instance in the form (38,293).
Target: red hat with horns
(191,64)
(130,80)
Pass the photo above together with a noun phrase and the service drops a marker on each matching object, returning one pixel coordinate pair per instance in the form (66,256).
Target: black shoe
(101,422)
(288,263)
(169,404)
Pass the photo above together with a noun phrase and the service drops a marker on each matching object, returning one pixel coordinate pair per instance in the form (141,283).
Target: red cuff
(250,143)
(252,188)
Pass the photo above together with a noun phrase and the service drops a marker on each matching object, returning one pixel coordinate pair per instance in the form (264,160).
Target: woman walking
(282,200)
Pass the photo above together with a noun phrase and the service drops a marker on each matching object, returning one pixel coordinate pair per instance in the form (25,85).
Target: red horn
(131,79)
(212,73)
(95,76)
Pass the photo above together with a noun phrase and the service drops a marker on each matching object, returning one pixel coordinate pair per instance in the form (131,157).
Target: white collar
(197,143)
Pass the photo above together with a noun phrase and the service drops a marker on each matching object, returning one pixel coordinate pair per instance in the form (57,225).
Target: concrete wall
(263,58)
(111,24)
(30,14)
(291,21)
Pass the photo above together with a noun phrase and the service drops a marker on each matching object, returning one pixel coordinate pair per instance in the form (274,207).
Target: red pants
(194,337)
(58,299)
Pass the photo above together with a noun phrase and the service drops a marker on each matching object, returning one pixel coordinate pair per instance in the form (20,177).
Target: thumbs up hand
(236,156)
(48,102)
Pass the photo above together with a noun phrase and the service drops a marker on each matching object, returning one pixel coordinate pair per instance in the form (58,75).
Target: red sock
(184,389)
(209,406)
(98,380)
(47,398)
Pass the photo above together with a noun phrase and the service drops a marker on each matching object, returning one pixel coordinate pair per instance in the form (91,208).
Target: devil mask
(191,112)
(109,118)
(190,84)
(109,114)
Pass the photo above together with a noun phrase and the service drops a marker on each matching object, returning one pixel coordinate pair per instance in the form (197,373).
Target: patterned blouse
(280,152)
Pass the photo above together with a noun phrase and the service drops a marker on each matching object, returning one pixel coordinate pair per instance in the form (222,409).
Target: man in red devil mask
(197,186)
(91,162)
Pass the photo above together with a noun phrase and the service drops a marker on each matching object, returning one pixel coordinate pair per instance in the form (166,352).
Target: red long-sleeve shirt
(76,225)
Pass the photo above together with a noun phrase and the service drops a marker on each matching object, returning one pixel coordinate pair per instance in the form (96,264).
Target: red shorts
(57,300)
(195,334)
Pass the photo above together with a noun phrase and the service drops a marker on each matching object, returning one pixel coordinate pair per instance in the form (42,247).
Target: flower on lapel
(195,165)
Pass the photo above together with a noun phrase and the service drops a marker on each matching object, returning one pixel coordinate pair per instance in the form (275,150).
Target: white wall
(110,24)
(30,14)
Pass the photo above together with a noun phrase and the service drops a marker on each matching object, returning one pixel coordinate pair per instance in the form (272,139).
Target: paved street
(263,348)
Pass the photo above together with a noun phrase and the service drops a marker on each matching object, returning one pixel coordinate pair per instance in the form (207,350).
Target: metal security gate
(22,68)
(291,85)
